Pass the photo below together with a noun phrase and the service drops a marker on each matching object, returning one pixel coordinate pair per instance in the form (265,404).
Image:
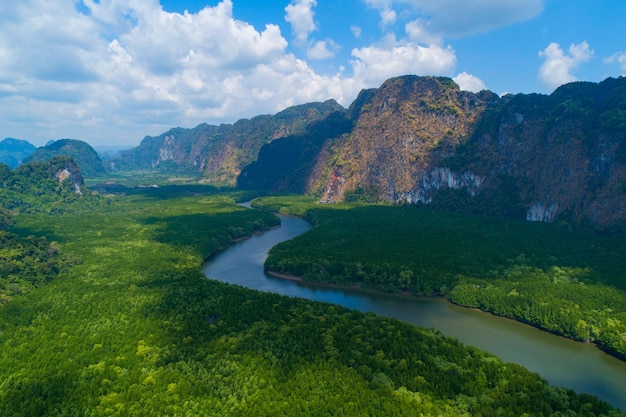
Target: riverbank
(359,287)
(561,361)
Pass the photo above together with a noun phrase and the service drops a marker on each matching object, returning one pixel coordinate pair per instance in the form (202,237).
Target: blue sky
(113,71)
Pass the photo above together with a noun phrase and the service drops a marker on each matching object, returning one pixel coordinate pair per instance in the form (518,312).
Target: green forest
(126,324)
(569,282)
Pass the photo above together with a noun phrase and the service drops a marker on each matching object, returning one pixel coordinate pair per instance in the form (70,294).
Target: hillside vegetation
(571,283)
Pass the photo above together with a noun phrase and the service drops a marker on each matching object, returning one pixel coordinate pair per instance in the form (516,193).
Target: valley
(134,328)
(415,194)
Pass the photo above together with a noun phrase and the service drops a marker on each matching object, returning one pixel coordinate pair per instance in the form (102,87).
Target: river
(563,362)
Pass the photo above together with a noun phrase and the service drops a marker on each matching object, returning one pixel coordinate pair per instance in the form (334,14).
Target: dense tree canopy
(570,282)
(134,328)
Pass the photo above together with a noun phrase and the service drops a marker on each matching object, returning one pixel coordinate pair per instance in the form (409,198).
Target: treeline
(136,329)
(572,283)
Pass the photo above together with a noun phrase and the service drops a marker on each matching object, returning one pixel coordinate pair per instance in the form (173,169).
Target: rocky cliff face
(402,134)
(566,152)
(219,153)
(422,140)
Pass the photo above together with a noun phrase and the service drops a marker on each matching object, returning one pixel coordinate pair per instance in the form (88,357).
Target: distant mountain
(85,156)
(219,153)
(13,151)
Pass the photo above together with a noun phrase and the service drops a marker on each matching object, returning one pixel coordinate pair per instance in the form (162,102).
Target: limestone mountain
(562,155)
(423,140)
(285,165)
(81,152)
(403,131)
(49,186)
(217,154)
(14,151)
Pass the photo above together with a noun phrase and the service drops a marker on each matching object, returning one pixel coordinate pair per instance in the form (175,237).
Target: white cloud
(356,31)
(417,30)
(469,82)
(374,64)
(128,68)
(618,57)
(122,69)
(300,15)
(558,65)
(320,50)
(387,14)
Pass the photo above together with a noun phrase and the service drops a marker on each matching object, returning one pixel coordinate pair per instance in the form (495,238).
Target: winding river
(562,362)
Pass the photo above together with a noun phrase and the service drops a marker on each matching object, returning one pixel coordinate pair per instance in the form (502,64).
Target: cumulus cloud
(123,69)
(618,58)
(112,71)
(469,82)
(321,50)
(374,64)
(558,65)
(300,15)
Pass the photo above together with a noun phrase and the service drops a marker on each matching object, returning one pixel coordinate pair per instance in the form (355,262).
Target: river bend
(561,361)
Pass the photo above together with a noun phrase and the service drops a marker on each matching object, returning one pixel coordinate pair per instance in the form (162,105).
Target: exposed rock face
(437,178)
(75,180)
(403,132)
(219,153)
(65,169)
(540,212)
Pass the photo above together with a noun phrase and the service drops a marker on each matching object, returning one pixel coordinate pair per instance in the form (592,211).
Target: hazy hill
(82,153)
(219,153)
(13,151)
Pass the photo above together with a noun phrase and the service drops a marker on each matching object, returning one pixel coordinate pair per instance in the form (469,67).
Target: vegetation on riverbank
(569,282)
(136,329)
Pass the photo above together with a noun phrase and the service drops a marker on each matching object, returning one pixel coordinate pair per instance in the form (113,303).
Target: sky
(111,72)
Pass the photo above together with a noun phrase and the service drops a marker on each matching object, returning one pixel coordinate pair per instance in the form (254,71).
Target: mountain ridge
(422,140)
(217,154)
